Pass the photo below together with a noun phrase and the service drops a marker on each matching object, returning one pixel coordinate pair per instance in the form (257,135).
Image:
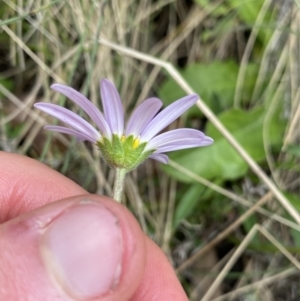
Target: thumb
(81,248)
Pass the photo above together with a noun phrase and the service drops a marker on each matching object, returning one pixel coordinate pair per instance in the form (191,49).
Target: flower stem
(119,184)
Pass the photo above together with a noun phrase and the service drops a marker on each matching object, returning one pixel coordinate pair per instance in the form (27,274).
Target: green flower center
(124,152)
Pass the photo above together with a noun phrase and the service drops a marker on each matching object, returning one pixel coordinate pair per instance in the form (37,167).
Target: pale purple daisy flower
(126,146)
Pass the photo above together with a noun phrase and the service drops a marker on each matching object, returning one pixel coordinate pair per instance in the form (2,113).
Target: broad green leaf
(188,203)
(221,160)
(214,82)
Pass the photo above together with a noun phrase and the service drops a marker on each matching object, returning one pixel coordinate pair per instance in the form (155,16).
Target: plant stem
(119,183)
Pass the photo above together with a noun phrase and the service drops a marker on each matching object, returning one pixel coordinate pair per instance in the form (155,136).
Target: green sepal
(122,153)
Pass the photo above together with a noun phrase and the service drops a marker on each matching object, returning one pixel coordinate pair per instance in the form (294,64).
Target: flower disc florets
(126,147)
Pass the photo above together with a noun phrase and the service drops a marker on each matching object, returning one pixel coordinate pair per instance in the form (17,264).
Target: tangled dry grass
(251,251)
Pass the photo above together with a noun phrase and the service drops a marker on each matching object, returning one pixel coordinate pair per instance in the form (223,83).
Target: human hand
(83,247)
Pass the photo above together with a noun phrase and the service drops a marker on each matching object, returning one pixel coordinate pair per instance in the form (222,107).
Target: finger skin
(26,184)
(22,262)
(160,282)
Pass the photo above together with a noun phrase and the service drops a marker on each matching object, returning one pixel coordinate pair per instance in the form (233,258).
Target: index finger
(26,184)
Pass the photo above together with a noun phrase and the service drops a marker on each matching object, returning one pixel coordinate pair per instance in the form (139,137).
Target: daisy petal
(168,115)
(112,107)
(69,118)
(78,135)
(178,139)
(160,157)
(86,106)
(142,115)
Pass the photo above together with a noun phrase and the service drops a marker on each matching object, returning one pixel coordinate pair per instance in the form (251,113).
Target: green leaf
(7,83)
(248,225)
(221,160)
(13,130)
(294,149)
(214,82)
(188,203)
(296,237)
(247,10)
(295,202)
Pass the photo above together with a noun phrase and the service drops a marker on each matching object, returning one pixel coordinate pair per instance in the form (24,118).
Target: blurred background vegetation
(225,233)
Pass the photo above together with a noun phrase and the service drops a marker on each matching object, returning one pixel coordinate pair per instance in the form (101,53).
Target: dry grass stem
(256,228)
(222,235)
(261,284)
(135,44)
